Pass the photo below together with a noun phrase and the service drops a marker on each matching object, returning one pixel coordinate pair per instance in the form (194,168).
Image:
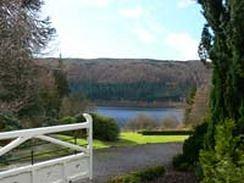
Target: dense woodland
(133,79)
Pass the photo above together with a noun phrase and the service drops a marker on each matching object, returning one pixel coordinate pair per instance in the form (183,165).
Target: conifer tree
(222,43)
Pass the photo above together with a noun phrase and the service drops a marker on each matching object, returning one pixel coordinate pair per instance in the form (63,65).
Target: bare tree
(23,34)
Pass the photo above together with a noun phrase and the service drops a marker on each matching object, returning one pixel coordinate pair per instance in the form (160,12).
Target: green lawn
(130,139)
(126,139)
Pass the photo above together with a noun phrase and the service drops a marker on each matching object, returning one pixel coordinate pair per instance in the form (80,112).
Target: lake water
(123,114)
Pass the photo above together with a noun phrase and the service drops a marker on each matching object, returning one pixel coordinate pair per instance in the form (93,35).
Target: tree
(197,107)
(61,80)
(222,43)
(23,34)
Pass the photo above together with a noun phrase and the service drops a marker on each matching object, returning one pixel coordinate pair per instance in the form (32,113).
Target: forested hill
(132,79)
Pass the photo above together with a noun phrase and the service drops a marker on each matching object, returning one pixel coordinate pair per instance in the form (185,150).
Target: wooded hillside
(132,79)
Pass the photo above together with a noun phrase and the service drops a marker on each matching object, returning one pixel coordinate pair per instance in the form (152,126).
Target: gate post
(90,144)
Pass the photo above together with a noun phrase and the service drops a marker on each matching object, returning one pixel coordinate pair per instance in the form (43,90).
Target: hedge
(167,132)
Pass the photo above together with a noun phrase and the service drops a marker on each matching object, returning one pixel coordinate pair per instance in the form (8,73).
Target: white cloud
(144,35)
(185,3)
(183,44)
(132,12)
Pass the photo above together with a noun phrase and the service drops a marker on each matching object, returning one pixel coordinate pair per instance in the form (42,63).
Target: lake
(123,114)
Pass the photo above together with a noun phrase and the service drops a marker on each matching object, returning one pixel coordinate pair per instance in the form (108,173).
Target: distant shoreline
(139,104)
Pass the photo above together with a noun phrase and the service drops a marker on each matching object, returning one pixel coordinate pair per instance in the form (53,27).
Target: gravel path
(116,161)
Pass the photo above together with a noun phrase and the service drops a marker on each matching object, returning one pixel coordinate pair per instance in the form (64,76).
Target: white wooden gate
(61,170)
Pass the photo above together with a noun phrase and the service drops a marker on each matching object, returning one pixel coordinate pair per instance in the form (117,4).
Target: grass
(126,139)
(131,139)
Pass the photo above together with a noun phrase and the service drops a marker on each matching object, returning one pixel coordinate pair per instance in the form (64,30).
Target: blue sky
(158,29)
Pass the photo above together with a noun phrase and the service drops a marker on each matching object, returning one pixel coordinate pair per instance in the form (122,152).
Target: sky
(156,29)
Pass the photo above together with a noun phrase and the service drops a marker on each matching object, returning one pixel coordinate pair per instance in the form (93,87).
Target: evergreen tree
(222,43)
(61,85)
(61,80)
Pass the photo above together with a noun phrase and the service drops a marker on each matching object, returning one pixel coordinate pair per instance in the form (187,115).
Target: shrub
(49,121)
(73,104)
(9,122)
(149,174)
(169,123)
(180,163)
(167,132)
(225,163)
(191,148)
(105,128)
(68,120)
(141,122)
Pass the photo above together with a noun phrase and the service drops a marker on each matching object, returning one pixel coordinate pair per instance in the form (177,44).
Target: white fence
(61,170)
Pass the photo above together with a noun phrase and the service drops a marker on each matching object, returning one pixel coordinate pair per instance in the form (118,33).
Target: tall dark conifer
(222,43)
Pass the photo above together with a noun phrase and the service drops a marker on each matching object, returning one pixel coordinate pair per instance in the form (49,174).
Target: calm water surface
(123,114)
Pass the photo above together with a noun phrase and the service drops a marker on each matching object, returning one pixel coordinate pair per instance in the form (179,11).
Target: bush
(149,174)
(69,120)
(191,148)
(180,163)
(105,128)
(9,122)
(73,104)
(141,122)
(167,132)
(169,123)
(225,163)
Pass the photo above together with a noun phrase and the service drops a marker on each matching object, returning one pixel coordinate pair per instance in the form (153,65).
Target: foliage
(148,174)
(141,122)
(170,122)
(191,148)
(105,128)
(73,104)
(167,132)
(134,79)
(52,98)
(222,43)
(68,120)
(198,107)
(9,122)
(23,33)
(61,80)
(139,91)
(191,95)
(181,163)
(50,102)
(225,163)
(48,121)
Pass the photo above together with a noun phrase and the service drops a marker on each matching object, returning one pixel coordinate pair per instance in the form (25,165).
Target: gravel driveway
(116,161)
